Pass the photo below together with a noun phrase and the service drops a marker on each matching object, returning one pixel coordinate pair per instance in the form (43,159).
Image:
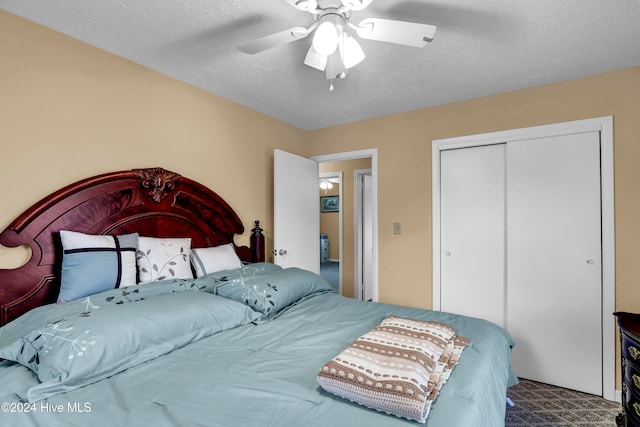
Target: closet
(520,244)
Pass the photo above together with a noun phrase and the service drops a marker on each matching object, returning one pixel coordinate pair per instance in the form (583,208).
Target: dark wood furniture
(152,202)
(257,243)
(629,324)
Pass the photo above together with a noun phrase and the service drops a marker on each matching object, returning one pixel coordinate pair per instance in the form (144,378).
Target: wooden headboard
(152,202)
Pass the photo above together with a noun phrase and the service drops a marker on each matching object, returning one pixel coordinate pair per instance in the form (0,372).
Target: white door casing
(367,240)
(602,125)
(363,222)
(296,212)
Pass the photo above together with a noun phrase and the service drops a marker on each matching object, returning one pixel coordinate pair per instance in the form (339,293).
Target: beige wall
(69,110)
(347,167)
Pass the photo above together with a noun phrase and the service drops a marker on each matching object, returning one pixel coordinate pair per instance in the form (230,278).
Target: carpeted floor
(538,405)
(331,272)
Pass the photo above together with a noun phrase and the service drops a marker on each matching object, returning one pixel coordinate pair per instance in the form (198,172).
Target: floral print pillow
(163,259)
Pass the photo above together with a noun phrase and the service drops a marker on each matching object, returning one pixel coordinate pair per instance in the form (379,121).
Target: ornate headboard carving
(152,202)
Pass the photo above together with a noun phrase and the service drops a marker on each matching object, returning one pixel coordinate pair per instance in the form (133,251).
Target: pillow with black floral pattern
(272,292)
(163,258)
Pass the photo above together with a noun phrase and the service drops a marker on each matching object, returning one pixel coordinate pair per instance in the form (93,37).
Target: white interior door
(554,252)
(472,206)
(296,212)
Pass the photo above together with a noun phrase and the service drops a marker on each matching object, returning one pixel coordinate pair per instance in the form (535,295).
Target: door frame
(360,154)
(604,125)
(340,212)
(358,225)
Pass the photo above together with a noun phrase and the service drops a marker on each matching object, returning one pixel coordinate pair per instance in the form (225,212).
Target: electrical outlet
(397,228)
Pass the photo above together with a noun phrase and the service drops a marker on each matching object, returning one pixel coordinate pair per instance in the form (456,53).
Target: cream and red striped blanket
(398,368)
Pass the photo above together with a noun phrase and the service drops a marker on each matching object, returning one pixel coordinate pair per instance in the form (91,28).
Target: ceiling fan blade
(356,4)
(274,40)
(306,5)
(399,32)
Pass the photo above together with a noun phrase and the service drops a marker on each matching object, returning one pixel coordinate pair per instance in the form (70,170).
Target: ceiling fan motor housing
(313,5)
(333,16)
(329,4)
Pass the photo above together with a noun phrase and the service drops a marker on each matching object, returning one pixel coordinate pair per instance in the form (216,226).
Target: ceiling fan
(327,183)
(334,50)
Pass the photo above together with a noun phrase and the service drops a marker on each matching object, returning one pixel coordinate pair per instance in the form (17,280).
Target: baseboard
(617,396)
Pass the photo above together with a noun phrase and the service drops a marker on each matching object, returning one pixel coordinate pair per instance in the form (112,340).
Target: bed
(238,345)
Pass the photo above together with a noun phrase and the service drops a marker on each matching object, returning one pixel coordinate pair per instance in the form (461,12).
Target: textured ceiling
(480,48)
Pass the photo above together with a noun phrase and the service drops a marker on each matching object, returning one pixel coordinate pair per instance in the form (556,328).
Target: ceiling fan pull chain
(331,73)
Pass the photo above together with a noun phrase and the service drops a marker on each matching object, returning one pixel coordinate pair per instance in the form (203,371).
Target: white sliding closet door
(554,260)
(472,229)
(520,240)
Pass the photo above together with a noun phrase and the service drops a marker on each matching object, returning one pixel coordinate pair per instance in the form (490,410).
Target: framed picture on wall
(330,204)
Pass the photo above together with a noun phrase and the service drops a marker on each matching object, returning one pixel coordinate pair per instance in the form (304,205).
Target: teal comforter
(254,368)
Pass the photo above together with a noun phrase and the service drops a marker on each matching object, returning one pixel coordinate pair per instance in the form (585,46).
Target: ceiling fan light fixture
(315,60)
(325,184)
(350,51)
(325,40)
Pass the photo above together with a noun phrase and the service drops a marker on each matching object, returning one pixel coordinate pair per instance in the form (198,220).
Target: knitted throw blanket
(398,367)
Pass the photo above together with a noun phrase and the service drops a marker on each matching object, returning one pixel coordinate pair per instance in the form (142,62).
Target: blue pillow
(96,263)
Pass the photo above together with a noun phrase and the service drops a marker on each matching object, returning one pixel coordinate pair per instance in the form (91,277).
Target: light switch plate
(397,228)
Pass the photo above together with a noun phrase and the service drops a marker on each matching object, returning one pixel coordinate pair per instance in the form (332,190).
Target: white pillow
(218,258)
(163,258)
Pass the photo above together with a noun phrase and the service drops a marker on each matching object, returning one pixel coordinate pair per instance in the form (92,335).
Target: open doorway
(343,229)
(331,211)
(297,215)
